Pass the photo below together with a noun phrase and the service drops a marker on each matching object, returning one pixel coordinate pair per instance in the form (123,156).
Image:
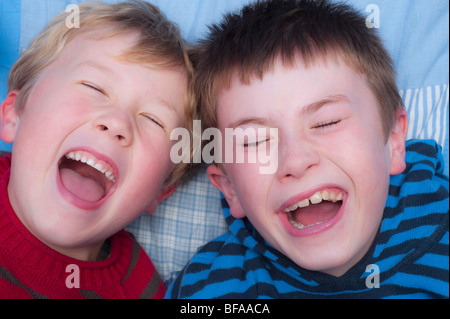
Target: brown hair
(248,43)
(159,45)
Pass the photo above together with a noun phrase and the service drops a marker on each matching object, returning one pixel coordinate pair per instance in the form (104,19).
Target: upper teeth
(316,199)
(99,165)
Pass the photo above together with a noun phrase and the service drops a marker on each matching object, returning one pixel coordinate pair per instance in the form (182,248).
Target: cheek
(374,162)
(55,114)
(360,148)
(363,158)
(251,187)
(146,182)
(154,162)
(370,178)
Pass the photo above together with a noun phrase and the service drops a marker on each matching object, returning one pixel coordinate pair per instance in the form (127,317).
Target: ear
(165,193)
(222,182)
(9,117)
(397,142)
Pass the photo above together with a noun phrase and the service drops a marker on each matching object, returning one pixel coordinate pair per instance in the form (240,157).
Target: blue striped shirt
(408,259)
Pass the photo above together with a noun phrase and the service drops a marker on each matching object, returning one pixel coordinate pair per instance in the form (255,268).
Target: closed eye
(326,124)
(155,120)
(94,87)
(256,144)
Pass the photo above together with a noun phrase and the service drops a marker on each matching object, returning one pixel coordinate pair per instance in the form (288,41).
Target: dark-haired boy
(351,210)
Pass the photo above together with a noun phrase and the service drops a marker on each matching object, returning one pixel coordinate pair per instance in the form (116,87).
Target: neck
(81,253)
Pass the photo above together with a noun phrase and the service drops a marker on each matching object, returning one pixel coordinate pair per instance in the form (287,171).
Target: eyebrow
(105,70)
(249,120)
(110,73)
(315,106)
(306,110)
(166,105)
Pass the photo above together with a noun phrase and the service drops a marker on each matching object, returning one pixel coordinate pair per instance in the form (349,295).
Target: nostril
(115,128)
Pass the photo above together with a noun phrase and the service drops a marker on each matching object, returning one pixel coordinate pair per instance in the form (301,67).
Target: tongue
(317,213)
(82,187)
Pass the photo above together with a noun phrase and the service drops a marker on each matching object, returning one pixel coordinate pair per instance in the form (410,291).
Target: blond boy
(90,111)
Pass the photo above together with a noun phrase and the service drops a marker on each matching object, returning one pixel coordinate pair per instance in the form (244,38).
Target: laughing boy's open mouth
(88,178)
(315,210)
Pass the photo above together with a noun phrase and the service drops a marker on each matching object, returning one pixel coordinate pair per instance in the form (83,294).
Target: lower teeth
(299,225)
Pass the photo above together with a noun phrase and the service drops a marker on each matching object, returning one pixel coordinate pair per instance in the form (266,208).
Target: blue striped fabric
(411,249)
(428,114)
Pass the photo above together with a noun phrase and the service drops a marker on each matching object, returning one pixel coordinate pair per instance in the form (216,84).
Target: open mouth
(318,209)
(86,177)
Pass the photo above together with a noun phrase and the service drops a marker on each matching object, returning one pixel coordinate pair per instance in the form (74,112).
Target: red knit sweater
(30,269)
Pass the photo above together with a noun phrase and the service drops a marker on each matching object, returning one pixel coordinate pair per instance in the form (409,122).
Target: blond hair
(159,45)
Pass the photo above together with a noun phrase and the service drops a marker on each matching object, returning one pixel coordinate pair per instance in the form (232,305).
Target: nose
(295,158)
(117,125)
